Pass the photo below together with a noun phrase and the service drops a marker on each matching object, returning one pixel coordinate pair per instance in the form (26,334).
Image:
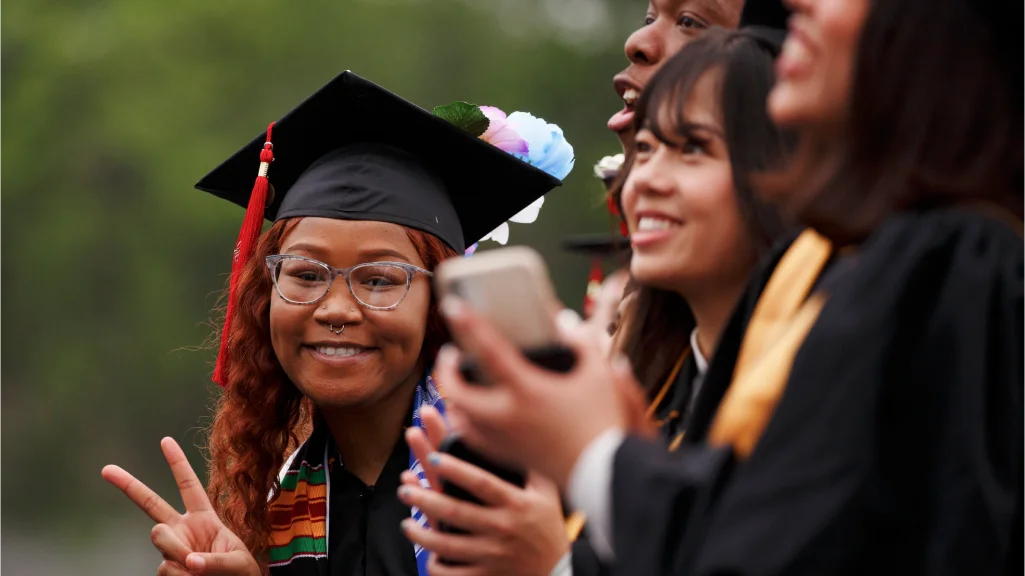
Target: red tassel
(614,211)
(612,206)
(594,281)
(252,225)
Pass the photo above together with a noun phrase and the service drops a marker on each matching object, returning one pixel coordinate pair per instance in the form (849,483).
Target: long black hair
(661,321)
(934,119)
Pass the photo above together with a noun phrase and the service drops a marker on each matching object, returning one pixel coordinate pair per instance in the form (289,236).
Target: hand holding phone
(511,288)
(454,446)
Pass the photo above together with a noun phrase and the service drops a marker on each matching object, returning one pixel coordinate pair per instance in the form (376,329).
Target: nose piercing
(331,327)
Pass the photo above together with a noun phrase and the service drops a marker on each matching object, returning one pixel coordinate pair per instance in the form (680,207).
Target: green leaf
(466,116)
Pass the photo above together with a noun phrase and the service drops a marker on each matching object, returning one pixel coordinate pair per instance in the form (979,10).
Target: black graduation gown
(365,537)
(897,445)
(671,412)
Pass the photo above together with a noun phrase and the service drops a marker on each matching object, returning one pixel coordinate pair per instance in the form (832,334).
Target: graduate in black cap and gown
(331,331)
(872,422)
(605,293)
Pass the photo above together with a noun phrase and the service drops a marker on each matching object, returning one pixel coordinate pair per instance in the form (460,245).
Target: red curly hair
(261,416)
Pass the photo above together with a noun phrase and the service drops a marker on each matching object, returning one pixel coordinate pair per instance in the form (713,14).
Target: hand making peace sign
(194,543)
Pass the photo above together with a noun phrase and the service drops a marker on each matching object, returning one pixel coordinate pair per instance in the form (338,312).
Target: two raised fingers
(191,489)
(193,495)
(147,500)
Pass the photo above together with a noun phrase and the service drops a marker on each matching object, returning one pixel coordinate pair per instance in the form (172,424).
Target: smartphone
(511,288)
(454,446)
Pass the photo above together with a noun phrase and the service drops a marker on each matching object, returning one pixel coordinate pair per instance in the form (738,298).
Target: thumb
(234,563)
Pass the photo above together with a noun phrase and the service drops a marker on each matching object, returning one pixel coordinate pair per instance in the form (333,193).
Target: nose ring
(331,327)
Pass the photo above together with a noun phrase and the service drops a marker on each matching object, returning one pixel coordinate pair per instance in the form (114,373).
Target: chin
(653,274)
(786,105)
(339,392)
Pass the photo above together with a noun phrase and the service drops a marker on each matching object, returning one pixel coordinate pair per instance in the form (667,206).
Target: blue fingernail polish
(434,458)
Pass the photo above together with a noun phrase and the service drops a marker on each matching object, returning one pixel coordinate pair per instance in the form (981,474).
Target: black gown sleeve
(585,561)
(897,446)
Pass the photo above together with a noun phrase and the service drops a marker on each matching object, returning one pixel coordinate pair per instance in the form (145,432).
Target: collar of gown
(699,359)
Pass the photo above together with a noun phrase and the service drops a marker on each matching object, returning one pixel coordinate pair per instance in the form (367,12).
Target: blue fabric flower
(547,148)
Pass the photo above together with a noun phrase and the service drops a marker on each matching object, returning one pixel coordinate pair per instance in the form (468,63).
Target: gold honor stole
(781,321)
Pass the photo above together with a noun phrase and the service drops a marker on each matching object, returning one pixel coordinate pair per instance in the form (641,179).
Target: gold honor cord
(784,315)
(781,321)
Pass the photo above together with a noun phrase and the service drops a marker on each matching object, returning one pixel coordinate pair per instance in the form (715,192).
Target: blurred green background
(113,109)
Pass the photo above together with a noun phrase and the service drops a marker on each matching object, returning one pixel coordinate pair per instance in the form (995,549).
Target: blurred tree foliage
(114,108)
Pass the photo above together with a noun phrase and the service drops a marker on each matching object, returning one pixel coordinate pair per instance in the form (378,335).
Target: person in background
(668,26)
(648,47)
(699,144)
(604,293)
(330,335)
(873,419)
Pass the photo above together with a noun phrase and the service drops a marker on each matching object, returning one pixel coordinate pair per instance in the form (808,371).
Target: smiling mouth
(340,352)
(655,224)
(630,96)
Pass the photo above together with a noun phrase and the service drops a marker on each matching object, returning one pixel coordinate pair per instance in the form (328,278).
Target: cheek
(404,326)
(628,199)
(287,322)
(841,23)
(715,212)
(675,42)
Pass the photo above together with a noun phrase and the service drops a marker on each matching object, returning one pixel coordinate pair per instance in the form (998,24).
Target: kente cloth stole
(783,316)
(300,511)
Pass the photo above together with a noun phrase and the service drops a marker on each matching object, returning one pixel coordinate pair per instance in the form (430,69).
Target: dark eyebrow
(371,254)
(304,248)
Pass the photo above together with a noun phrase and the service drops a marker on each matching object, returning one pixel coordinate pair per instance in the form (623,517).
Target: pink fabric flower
(500,134)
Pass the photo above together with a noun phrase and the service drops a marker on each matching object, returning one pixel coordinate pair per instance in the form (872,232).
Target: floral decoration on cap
(531,139)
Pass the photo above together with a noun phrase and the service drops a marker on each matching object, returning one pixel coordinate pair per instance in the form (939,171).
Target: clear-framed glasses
(375,285)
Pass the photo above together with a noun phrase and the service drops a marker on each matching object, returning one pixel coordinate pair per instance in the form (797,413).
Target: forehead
(348,239)
(700,105)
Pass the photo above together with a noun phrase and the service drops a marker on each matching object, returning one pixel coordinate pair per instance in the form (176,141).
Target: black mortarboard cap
(356,151)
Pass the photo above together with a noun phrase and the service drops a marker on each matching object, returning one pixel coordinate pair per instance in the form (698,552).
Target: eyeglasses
(375,285)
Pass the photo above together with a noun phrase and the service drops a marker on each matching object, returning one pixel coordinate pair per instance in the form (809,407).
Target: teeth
(649,223)
(338,352)
(795,52)
(630,96)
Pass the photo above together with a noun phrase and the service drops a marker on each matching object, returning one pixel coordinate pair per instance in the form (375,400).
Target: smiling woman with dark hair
(873,419)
